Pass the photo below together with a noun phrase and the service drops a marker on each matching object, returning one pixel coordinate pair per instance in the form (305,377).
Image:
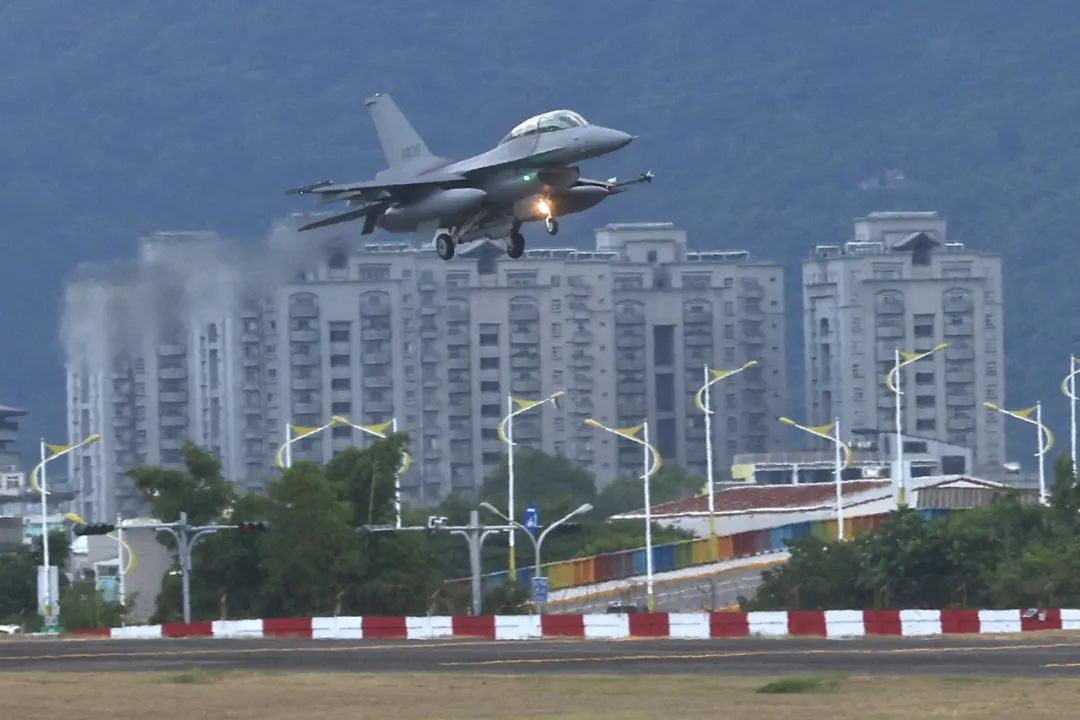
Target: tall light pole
(514,407)
(283,456)
(893,381)
(703,401)
(379,430)
(631,434)
(46,574)
(831,432)
(1068,388)
(1045,437)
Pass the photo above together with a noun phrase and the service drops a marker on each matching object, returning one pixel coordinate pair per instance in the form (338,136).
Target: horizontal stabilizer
(309,188)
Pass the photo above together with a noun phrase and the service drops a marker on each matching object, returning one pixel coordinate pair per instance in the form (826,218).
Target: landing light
(526,177)
(543,208)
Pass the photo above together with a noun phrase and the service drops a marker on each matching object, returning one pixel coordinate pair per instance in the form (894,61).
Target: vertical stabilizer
(400,143)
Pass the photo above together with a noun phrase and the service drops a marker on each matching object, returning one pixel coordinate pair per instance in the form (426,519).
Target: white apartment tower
(901,284)
(193,341)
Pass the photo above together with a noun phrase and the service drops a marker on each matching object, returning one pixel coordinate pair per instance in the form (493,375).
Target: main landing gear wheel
(444,246)
(552,226)
(515,248)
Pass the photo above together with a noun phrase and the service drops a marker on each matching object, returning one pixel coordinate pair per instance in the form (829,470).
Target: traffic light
(247,528)
(93,529)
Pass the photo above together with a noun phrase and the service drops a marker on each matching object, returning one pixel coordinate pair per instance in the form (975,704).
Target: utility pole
(187,537)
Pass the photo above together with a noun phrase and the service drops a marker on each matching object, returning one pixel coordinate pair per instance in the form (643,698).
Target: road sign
(532,518)
(540,588)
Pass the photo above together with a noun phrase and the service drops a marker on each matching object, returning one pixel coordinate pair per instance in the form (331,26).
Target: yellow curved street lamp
(56,452)
(893,381)
(631,434)
(379,430)
(122,545)
(295,433)
(516,406)
(1045,436)
(703,402)
(831,432)
(1068,389)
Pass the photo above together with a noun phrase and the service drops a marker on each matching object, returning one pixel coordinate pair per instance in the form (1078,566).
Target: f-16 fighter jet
(532,175)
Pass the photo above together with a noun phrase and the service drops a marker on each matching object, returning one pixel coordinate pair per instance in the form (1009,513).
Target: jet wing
(327,188)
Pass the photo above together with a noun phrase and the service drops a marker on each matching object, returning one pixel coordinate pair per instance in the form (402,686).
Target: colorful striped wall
(684,554)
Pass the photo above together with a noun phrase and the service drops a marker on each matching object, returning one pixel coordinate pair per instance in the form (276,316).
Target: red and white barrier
(804,623)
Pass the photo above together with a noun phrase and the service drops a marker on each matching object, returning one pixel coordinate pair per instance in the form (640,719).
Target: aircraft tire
(444,246)
(552,226)
(516,247)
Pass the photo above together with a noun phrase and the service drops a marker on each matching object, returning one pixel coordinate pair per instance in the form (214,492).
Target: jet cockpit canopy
(546,122)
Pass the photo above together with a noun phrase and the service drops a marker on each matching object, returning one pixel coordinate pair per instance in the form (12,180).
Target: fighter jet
(531,175)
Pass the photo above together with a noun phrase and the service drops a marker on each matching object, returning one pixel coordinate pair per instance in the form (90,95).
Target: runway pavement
(1031,656)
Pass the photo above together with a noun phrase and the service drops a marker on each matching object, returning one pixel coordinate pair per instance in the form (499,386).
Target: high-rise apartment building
(196,342)
(9,438)
(901,284)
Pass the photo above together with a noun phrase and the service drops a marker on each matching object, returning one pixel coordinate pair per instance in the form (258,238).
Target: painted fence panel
(346,627)
(844,623)
(767,623)
(689,625)
(615,625)
(997,621)
(920,622)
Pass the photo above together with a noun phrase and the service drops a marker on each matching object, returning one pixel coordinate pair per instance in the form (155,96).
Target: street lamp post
(379,430)
(515,407)
(42,488)
(1068,388)
(283,456)
(1045,437)
(893,381)
(537,542)
(831,432)
(631,434)
(703,401)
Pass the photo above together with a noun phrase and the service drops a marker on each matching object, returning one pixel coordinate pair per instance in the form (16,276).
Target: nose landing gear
(551,225)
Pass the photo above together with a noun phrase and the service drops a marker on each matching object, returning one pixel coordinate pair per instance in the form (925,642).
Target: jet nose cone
(619,139)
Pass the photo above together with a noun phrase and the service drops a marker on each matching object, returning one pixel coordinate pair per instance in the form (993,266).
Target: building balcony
(305,360)
(376,358)
(173,397)
(377,381)
(304,336)
(374,334)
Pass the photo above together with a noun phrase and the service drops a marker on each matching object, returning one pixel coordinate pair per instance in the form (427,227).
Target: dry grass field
(310,696)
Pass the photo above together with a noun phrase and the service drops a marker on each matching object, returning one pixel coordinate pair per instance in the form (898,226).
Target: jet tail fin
(399,140)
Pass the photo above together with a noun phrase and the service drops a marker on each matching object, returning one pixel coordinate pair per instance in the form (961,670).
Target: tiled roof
(768,496)
(788,497)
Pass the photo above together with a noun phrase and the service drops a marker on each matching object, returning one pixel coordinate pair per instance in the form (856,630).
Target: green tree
(820,575)
(18,588)
(200,490)
(81,607)
(311,556)
(365,478)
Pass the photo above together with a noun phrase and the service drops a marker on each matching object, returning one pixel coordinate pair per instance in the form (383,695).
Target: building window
(489,363)
(556,330)
(340,384)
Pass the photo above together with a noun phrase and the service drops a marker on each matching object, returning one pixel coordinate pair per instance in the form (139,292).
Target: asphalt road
(676,595)
(1031,656)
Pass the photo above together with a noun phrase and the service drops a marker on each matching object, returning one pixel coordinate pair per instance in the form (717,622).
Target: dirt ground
(199,694)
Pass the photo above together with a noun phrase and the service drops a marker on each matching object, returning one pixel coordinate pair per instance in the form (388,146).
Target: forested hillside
(769,126)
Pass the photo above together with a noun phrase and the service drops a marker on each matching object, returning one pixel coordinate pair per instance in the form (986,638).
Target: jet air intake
(440,205)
